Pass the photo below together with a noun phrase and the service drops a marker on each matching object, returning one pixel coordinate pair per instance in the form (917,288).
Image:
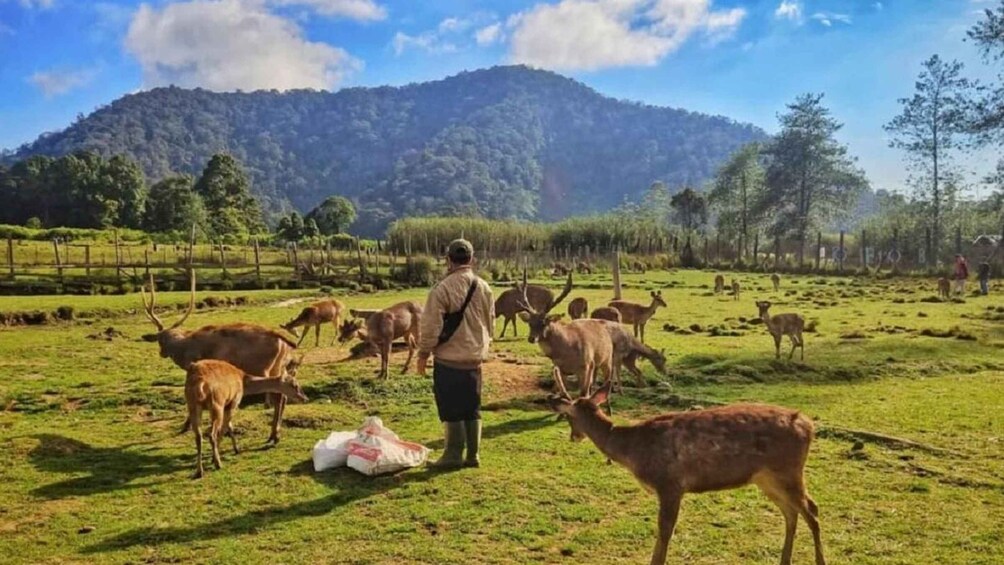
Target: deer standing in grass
(253,349)
(507,304)
(323,312)
(735,289)
(606,313)
(707,450)
(627,349)
(218,386)
(781,325)
(775,279)
(944,288)
(381,329)
(578,308)
(638,314)
(719,284)
(580,347)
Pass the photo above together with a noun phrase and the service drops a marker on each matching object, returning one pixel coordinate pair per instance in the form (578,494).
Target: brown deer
(362,313)
(253,349)
(583,268)
(790,325)
(638,267)
(719,284)
(606,313)
(580,347)
(735,289)
(507,304)
(559,270)
(775,279)
(638,314)
(578,308)
(323,312)
(218,386)
(381,329)
(627,350)
(944,288)
(707,450)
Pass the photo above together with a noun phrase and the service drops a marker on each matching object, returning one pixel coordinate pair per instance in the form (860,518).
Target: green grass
(89,439)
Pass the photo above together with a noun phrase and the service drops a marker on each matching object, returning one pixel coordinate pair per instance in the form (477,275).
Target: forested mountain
(506,142)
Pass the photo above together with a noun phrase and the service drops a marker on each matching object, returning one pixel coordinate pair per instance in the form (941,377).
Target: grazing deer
(218,386)
(381,329)
(638,267)
(583,268)
(580,347)
(507,304)
(735,289)
(719,284)
(606,313)
(559,270)
(790,325)
(254,349)
(775,279)
(323,312)
(944,288)
(627,350)
(638,314)
(707,450)
(578,308)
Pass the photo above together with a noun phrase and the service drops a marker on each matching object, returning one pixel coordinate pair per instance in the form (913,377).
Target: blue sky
(743,59)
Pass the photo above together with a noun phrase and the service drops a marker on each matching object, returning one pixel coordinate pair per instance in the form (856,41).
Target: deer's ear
(601,396)
(559,403)
(555,317)
(525,317)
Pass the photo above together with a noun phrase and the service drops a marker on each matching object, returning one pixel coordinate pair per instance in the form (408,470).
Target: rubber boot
(473,433)
(453,454)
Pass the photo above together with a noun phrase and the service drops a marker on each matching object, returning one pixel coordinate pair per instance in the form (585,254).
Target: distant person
(961,274)
(983,274)
(456,330)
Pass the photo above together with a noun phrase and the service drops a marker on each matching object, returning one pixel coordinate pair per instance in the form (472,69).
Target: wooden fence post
(10,256)
(841,253)
(223,259)
(359,257)
(864,246)
(819,247)
(257,260)
(146,261)
(59,264)
(756,249)
(777,251)
(617,274)
(296,262)
(87,260)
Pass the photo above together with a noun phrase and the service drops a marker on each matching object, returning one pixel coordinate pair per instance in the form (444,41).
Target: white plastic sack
(376,450)
(333,451)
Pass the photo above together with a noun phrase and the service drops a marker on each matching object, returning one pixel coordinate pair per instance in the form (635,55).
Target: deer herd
(672,454)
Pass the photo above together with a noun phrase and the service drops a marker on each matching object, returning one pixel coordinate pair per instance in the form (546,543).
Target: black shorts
(458,393)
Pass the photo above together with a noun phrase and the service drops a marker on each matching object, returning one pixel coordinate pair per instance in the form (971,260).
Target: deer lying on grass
(638,314)
(580,347)
(578,308)
(627,349)
(790,325)
(719,284)
(507,304)
(735,289)
(775,279)
(253,349)
(218,386)
(944,289)
(323,312)
(606,313)
(381,329)
(707,450)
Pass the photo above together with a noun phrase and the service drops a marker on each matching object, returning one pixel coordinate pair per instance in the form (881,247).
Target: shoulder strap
(470,294)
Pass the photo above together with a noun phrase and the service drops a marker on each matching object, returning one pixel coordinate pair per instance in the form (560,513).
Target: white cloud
(789,10)
(596,34)
(54,83)
(354,9)
(429,41)
(489,34)
(228,45)
(829,18)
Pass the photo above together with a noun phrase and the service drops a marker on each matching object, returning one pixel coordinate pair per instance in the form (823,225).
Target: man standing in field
(457,328)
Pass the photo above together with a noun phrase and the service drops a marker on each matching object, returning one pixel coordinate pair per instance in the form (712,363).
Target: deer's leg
(334,329)
(412,346)
(317,335)
(669,510)
(228,427)
(777,347)
(214,434)
(505,324)
(794,344)
(280,407)
(194,419)
(787,496)
(302,335)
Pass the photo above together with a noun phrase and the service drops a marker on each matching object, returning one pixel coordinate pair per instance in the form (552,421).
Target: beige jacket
(468,347)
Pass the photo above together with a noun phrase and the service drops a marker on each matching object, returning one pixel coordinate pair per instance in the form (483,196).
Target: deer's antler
(522,301)
(191,302)
(564,292)
(148,308)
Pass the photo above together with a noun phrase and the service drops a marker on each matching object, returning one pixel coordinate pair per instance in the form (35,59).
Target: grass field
(94,470)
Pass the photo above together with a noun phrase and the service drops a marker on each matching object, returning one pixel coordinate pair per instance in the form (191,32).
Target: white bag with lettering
(376,450)
(332,451)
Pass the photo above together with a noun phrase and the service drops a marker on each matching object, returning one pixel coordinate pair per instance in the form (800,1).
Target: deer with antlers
(323,312)
(638,314)
(382,328)
(706,450)
(580,347)
(253,349)
(507,304)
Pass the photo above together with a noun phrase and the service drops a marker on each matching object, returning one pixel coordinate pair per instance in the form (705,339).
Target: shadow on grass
(495,431)
(108,468)
(351,487)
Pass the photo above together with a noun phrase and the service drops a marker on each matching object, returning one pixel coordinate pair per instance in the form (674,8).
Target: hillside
(506,142)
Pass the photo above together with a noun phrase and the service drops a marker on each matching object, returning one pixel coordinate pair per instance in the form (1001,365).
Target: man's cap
(460,247)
